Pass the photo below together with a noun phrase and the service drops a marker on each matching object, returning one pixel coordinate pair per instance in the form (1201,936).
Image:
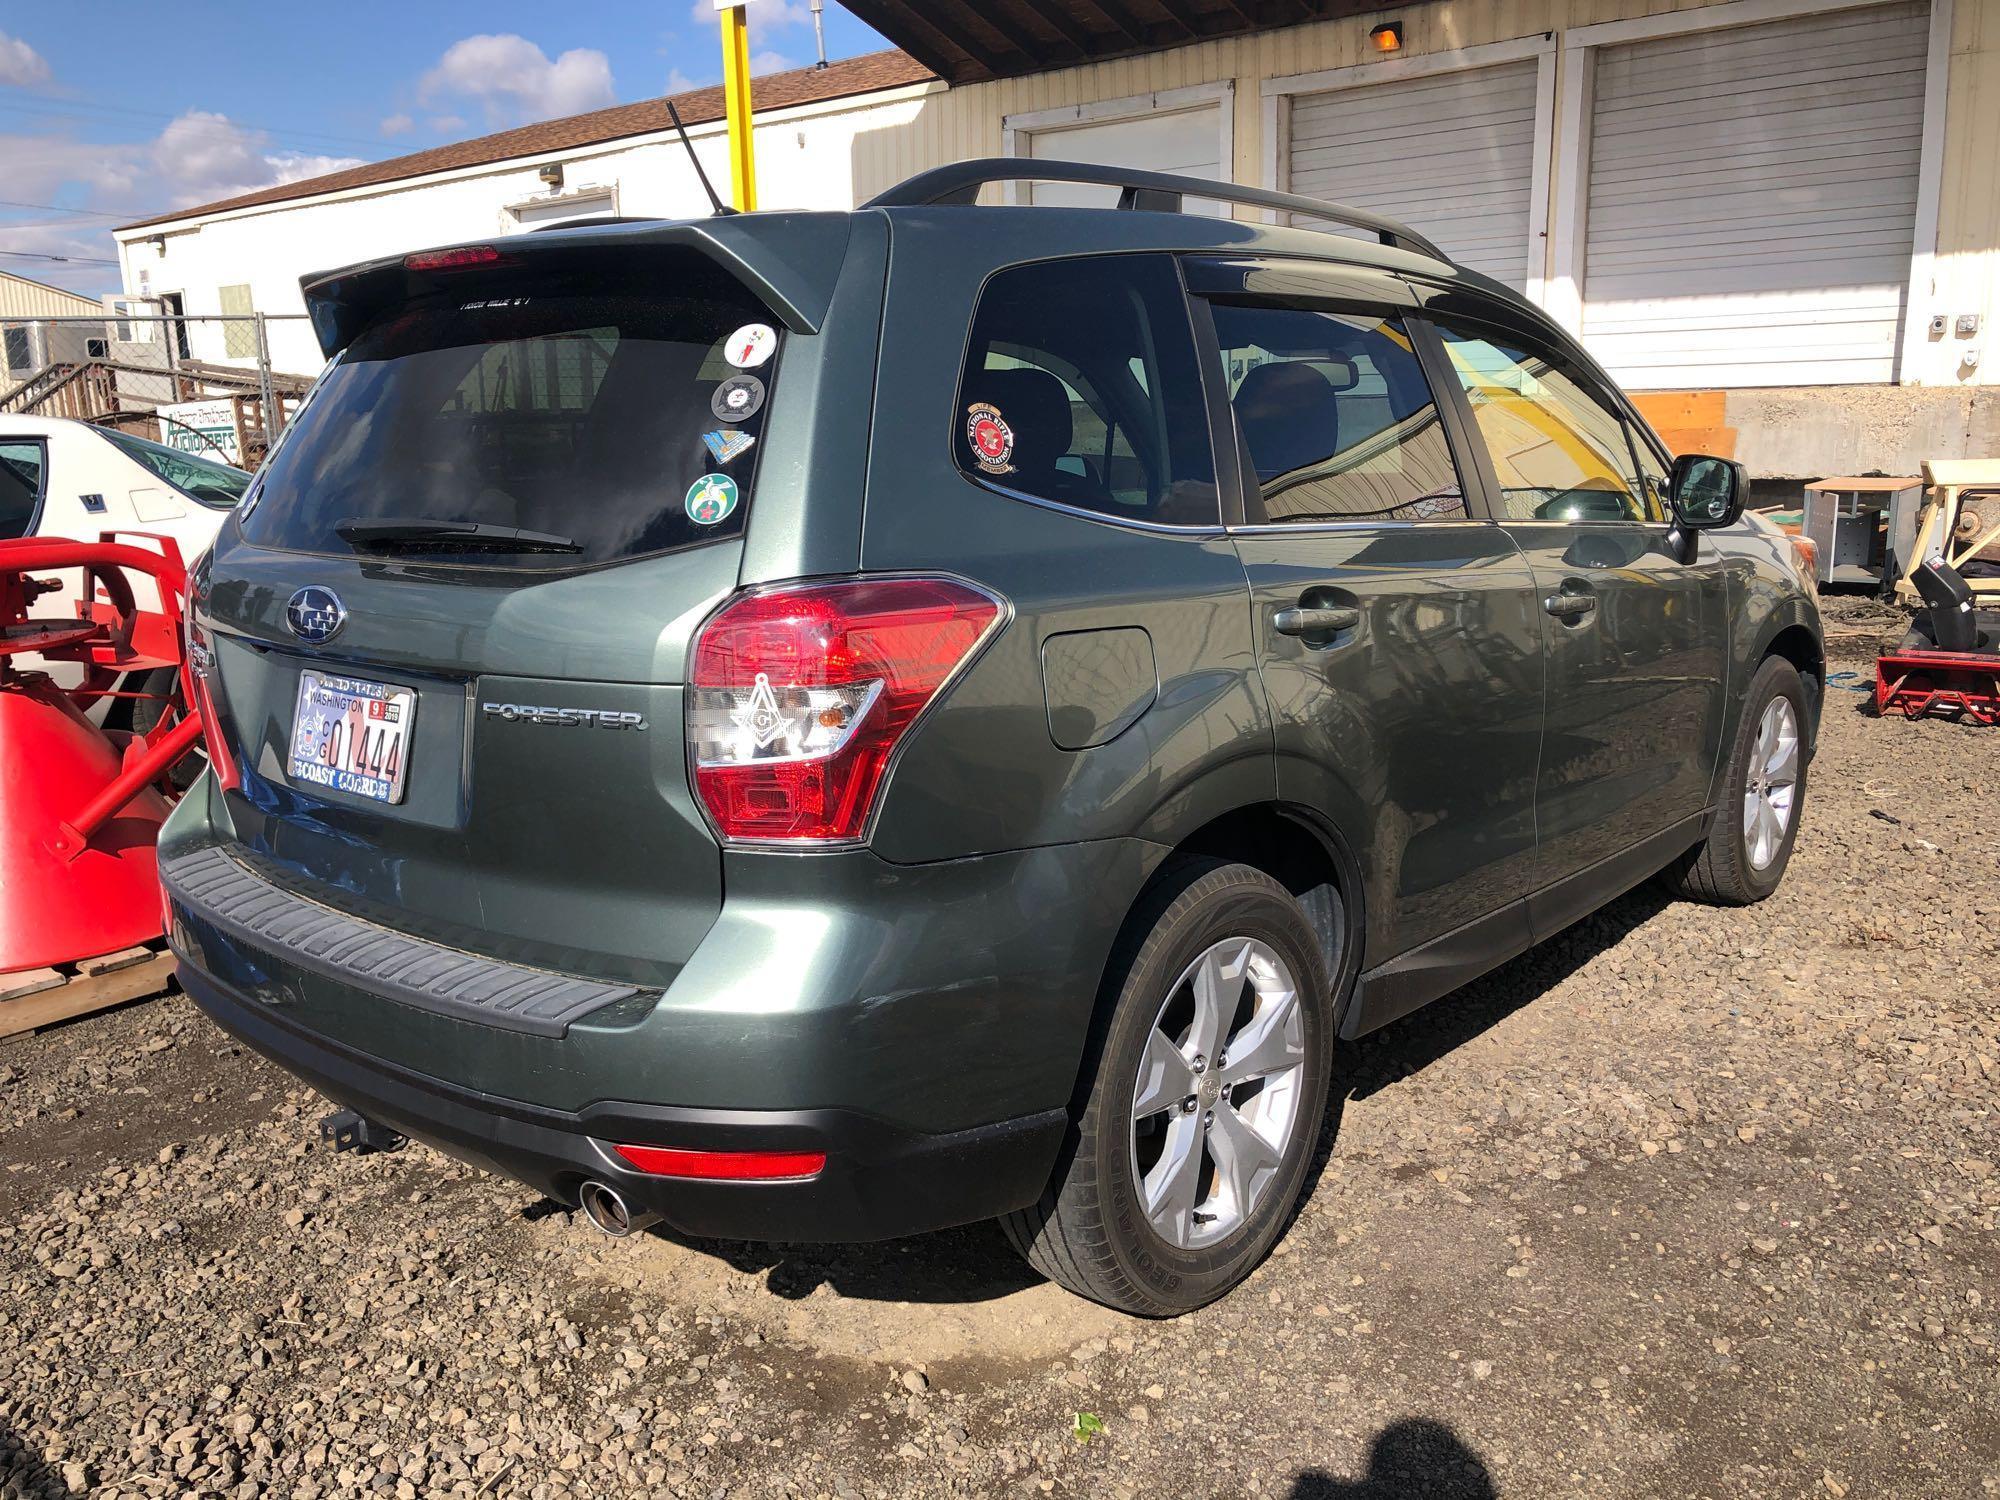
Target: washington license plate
(352,735)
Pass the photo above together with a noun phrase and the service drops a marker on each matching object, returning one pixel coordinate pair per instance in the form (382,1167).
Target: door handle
(1569,606)
(1315,620)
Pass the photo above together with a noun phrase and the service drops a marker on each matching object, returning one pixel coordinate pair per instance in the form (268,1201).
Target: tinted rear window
(215,485)
(587,415)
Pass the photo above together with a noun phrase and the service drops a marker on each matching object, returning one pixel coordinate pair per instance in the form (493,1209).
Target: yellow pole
(736,102)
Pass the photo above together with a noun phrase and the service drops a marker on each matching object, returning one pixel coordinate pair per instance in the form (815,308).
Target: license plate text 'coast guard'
(352,735)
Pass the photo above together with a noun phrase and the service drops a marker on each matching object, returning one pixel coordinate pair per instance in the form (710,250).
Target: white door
(1450,154)
(1753,199)
(1183,141)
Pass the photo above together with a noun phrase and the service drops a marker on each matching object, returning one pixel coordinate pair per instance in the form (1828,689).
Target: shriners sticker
(750,345)
(991,438)
(711,499)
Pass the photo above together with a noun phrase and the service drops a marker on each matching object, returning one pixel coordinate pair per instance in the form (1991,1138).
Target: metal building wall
(21,298)
(968,121)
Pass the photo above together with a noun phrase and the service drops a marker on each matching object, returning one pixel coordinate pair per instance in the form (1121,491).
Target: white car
(60,478)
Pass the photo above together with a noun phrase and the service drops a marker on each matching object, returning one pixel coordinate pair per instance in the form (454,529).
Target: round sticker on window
(711,499)
(737,399)
(750,345)
(991,438)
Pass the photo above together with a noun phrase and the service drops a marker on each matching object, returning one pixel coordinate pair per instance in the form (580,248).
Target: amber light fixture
(1387,37)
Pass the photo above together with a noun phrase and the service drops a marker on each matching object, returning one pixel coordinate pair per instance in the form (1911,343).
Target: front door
(1398,634)
(1636,638)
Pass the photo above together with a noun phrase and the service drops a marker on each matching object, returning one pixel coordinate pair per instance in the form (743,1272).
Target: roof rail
(960,182)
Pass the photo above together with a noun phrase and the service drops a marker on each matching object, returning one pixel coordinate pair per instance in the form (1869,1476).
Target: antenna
(819,31)
(706,185)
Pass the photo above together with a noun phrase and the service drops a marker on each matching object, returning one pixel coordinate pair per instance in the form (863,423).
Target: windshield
(618,423)
(212,484)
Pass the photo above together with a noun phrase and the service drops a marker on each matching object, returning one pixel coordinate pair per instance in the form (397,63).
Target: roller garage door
(1186,141)
(1450,154)
(1752,201)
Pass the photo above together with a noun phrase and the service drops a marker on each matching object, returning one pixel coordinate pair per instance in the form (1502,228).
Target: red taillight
(725,1166)
(197,672)
(460,259)
(1805,551)
(799,696)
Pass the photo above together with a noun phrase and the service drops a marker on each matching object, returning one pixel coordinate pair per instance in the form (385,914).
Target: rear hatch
(447,632)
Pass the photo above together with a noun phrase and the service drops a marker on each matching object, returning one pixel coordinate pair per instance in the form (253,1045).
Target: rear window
(215,485)
(619,422)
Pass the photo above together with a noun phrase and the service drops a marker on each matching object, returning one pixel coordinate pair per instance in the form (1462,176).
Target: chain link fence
(203,383)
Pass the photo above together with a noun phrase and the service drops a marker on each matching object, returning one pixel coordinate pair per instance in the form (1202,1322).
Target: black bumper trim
(882,1181)
(408,970)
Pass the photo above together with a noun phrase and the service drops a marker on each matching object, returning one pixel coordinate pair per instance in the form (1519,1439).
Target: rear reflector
(453,260)
(726,1166)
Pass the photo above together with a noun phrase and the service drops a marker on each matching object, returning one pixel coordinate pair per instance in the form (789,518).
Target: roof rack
(1162,192)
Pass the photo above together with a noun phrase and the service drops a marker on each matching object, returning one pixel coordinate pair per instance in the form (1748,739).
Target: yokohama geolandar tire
(1203,1115)
(1762,796)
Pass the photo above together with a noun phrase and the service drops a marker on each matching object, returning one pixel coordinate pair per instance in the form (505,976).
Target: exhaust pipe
(608,1211)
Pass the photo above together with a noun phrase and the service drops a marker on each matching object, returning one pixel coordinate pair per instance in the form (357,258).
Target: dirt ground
(1686,1202)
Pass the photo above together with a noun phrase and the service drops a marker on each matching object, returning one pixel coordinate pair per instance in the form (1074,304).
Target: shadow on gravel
(24,1474)
(970,1264)
(1412,1044)
(1415,1459)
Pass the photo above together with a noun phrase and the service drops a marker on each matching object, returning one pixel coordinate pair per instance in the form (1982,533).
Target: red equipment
(81,807)
(1952,684)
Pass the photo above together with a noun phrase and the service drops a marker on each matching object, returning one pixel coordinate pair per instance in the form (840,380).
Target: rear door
(478,738)
(1636,638)
(1396,629)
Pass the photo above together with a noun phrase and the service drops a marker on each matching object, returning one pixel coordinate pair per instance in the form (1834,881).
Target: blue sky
(112,111)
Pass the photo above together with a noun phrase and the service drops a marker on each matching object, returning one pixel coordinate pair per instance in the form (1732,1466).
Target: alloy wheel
(1218,1093)
(1771,794)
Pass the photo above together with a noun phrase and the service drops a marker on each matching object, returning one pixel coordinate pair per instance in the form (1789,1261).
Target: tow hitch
(346,1130)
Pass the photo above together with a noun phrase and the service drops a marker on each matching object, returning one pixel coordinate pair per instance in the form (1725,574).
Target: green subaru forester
(823,726)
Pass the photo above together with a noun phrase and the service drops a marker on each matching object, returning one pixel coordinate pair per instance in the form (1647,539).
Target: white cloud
(778,15)
(77,241)
(445,124)
(514,82)
(768,61)
(679,83)
(21,65)
(397,124)
(203,156)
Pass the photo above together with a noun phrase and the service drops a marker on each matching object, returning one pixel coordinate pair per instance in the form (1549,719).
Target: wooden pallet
(33,998)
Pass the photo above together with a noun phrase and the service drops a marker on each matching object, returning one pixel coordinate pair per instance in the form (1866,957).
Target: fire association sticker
(991,438)
(711,499)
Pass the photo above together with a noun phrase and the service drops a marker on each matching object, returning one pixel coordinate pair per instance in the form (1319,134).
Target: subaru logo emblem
(315,614)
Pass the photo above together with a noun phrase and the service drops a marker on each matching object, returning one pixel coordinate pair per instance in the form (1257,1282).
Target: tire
(1237,936)
(1738,864)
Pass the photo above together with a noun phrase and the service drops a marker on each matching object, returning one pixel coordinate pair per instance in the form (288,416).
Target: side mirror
(1707,492)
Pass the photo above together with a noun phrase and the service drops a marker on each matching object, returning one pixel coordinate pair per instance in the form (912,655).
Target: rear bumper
(881,1180)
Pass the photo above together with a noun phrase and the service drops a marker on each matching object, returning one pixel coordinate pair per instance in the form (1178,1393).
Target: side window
(1081,387)
(23,471)
(1336,416)
(1559,451)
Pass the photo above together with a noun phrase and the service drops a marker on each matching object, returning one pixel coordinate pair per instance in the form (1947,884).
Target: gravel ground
(1686,1202)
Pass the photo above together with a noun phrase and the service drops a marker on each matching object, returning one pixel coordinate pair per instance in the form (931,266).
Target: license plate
(352,735)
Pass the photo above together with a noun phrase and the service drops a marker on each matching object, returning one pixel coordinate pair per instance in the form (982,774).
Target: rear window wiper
(456,535)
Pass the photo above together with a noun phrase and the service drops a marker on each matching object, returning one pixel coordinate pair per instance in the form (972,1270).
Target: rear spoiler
(789,261)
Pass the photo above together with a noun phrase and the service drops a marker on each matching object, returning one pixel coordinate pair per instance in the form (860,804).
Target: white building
(1781,218)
